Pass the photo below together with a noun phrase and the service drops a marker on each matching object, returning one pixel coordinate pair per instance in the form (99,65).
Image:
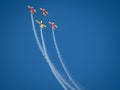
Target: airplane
(53,25)
(41,24)
(32,10)
(44,11)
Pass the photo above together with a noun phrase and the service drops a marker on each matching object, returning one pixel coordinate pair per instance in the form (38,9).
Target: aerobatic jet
(53,25)
(41,24)
(32,10)
(44,11)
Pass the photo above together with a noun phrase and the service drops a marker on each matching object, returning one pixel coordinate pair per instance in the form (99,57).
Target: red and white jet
(32,10)
(44,11)
(53,25)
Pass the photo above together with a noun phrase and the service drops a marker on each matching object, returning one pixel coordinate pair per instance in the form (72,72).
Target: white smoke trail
(61,61)
(53,69)
(41,49)
(49,61)
(36,37)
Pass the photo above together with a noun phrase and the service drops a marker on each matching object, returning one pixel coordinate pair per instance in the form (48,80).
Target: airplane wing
(37,21)
(34,10)
(45,26)
(46,12)
(56,26)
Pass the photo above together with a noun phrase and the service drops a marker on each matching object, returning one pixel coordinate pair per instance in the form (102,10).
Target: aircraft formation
(62,81)
(45,13)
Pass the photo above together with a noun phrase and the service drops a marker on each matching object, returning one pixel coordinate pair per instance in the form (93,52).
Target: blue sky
(88,37)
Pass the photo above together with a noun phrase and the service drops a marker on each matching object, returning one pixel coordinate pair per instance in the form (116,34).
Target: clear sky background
(88,37)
